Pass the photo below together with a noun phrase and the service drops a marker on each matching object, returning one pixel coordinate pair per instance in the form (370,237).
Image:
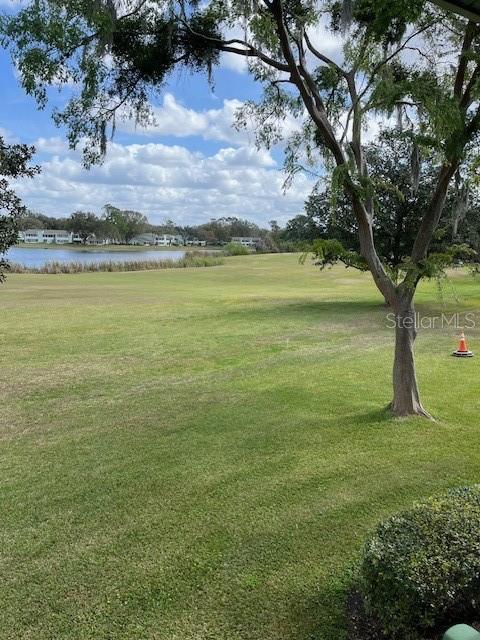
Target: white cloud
(162,180)
(8,136)
(326,42)
(174,119)
(53,145)
(169,180)
(234,62)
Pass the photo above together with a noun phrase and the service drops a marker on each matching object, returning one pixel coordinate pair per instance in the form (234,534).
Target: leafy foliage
(385,21)
(14,163)
(421,568)
(84,224)
(221,230)
(235,249)
(401,199)
(127,224)
(434,266)
(115,57)
(326,253)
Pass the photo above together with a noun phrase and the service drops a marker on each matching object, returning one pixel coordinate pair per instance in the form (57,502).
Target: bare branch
(252,52)
(248,50)
(470,33)
(322,57)
(466,99)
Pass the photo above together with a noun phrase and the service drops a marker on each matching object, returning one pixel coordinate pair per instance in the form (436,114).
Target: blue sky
(191,166)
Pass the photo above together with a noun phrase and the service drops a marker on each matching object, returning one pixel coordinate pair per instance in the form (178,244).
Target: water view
(33,257)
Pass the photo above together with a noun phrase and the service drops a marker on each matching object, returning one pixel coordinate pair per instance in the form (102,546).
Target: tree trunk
(406,398)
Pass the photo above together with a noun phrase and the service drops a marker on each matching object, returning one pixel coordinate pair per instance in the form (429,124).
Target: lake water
(38,257)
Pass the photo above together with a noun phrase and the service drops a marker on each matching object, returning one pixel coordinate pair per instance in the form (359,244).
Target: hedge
(420,569)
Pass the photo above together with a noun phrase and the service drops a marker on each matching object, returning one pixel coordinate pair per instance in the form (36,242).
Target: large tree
(14,163)
(402,194)
(29,220)
(403,55)
(84,224)
(127,224)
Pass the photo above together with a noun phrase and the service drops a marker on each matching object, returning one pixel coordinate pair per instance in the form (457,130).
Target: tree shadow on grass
(378,417)
(266,308)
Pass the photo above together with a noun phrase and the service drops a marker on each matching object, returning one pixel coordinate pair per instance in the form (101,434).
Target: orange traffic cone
(463,351)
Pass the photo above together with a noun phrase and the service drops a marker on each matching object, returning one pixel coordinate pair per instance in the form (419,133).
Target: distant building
(166,240)
(195,242)
(48,236)
(145,238)
(247,241)
(154,239)
(92,239)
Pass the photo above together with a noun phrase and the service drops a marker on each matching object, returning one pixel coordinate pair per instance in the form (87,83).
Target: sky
(191,166)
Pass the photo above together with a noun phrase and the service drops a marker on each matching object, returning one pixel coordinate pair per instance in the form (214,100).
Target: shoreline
(120,248)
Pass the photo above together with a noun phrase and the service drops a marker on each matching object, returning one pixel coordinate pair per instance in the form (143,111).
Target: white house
(167,239)
(163,240)
(49,236)
(247,241)
(91,239)
(145,238)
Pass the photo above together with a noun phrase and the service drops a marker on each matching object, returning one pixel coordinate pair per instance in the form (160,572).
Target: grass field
(199,454)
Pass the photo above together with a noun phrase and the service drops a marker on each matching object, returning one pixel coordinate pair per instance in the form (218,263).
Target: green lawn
(198,454)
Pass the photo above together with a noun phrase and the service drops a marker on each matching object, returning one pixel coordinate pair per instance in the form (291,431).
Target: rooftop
(56,231)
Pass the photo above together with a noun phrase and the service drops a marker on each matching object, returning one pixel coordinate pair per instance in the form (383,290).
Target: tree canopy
(127,223)
(14,163)
(400,200)
(85,224)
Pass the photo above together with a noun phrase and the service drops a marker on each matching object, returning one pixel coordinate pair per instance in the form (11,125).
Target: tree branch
(252,52)
(314,106)
(466,99)
(470,32)
(391,56)
(322,57)
(432,216)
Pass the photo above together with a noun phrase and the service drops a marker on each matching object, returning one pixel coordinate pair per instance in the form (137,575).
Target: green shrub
(235,249)
(421,569)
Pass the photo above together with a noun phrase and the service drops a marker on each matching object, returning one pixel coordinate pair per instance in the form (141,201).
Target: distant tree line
(120,225)
(114,224)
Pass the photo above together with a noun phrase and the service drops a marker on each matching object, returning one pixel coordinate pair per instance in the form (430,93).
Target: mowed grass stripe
(199,455)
